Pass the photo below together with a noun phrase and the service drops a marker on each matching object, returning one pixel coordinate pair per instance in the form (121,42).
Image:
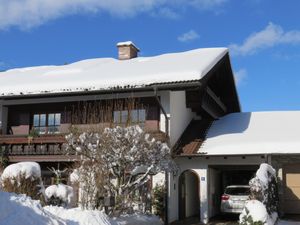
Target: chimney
(127,50)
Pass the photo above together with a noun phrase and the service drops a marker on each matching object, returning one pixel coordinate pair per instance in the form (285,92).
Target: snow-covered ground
(20,210)
(287,222)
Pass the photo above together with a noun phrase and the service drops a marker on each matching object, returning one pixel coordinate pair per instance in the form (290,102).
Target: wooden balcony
(42,148)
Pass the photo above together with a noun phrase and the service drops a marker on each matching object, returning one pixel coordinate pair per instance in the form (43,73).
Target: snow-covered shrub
(263,206)
(59,195)
(23,178)
(263,187)
(158,203)
(122,159)
(89,180)
(254,213)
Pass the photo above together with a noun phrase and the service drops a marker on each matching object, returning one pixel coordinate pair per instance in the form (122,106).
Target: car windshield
(237,191)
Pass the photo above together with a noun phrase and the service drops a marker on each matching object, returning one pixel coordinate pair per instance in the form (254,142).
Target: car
(234,199)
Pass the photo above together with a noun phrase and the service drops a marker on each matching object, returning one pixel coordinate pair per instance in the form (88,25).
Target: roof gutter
(159,87)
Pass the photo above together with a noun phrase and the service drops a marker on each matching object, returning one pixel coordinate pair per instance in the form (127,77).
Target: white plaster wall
(165,102)
(200,165)
(214,192)
(203,174)
(180,115)
(173,198)
(174,103)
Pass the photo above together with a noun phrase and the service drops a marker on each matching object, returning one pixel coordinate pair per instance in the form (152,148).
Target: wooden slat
(10,140)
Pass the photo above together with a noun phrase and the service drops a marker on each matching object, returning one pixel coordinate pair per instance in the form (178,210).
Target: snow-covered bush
(88,177)
(263,206)
(263,187)
(121,159)
(23,178)
(254,213)
(59,194)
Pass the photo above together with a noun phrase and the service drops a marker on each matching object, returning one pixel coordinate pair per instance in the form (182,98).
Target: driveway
(218,220)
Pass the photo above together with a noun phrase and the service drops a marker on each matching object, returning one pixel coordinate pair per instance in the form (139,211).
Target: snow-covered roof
(107,73)
(254,133)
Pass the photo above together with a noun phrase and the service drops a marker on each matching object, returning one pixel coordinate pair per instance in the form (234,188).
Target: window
(39,123)
(46,123)
(53,123)
(130,116)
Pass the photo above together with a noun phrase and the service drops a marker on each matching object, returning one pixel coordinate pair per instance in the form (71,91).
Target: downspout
(166,173)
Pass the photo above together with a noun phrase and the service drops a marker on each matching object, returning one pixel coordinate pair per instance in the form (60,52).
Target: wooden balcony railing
(16,145)
(24,145)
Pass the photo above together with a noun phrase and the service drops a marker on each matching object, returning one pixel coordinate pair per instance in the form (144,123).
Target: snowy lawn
(20,210)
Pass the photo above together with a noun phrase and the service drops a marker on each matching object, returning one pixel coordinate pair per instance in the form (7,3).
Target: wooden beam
(210,111)
(216,99)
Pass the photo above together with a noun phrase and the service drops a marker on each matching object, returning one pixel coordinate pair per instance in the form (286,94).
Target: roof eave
(234,155)
(180,85)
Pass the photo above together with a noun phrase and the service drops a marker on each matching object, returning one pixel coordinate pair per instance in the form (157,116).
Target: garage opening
(222,176)
(291,181)
(189,189)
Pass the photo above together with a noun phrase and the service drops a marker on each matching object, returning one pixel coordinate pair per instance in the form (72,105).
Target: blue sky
(263,37)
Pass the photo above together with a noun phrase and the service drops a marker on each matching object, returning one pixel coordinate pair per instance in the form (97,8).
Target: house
(38,105)
(189,97)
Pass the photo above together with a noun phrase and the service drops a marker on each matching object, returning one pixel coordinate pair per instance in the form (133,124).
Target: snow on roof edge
(19,88)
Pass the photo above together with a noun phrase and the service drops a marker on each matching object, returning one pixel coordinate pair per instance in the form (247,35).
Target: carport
(221,176)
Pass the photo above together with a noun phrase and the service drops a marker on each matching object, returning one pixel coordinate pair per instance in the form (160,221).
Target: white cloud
(240,76)
(188,36)
(206,4)
(167,13)
(30,13)
(270,36)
